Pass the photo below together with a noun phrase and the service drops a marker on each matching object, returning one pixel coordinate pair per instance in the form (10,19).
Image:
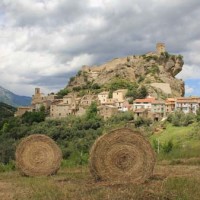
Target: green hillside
(6,111)
(177,142)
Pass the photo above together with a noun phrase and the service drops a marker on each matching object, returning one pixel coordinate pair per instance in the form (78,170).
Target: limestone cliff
(156,71)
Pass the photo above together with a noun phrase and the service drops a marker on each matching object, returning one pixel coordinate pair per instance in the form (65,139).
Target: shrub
(7,149)
(120,83)
(7,167)
(79,73)
(95,86)
(71,79)
(167,147)
(179,118)
(30,117)
(91,112)
(77,88)
(198,115)
(180,57)
(142,92)
(121,117)
(155,144)
(141,78)
(142,122)
(62,93)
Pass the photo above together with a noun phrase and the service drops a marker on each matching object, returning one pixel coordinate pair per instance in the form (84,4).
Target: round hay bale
(122,156)
(38,155)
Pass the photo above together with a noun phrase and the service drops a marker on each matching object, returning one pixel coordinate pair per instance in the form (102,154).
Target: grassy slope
(185,145)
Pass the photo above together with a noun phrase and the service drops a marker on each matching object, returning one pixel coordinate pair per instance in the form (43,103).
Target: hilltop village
(148,107)
(154,71)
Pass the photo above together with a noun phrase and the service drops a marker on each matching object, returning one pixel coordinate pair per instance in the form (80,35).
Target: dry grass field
(180,181)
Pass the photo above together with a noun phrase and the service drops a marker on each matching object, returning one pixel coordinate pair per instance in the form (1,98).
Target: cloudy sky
(44,42)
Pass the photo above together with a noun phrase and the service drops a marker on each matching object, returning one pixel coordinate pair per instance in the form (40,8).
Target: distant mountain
(6,111)
(12,99)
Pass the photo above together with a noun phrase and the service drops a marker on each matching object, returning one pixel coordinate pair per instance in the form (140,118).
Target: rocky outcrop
(148,70)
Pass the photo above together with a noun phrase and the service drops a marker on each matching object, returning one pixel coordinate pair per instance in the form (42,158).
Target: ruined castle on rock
(156,70)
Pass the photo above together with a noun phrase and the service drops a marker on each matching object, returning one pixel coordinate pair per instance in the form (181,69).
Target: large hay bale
(122,156)
(38,155)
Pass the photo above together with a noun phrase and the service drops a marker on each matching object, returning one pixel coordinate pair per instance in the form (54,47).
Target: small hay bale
(38,155)
(122,156)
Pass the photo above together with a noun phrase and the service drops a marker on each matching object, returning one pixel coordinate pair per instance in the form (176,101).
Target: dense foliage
(74,135)
(179,118)
(62,93)
(6,111)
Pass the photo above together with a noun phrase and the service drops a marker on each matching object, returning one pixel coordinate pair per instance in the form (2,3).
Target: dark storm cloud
(44,13)
(74,33)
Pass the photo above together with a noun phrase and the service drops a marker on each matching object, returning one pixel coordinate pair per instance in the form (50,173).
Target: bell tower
(160,48)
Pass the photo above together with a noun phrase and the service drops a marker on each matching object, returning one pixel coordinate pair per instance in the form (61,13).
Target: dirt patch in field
(6,191)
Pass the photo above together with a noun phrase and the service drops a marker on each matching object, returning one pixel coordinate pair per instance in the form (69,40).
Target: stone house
(111,102)
(60,110)
(119,97)
(107,111)
(141,112)
(103,97)
(86,100)
(64,107)
(71,101)
(21,110)
(57,109)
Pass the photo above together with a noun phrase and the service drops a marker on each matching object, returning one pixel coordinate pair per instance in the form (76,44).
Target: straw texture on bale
(120,156)
(38,155)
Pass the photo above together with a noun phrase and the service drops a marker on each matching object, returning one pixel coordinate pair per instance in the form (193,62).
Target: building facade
(187,104)
(158,110)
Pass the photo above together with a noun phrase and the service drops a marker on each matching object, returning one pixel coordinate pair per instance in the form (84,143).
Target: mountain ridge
(12,99)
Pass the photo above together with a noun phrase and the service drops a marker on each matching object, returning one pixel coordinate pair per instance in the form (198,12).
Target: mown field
(176,175)
(176,182)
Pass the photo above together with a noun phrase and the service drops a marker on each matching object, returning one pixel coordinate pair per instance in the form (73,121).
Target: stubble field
(180,181)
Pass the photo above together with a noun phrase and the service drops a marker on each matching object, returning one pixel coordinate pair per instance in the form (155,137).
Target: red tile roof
(147,100)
